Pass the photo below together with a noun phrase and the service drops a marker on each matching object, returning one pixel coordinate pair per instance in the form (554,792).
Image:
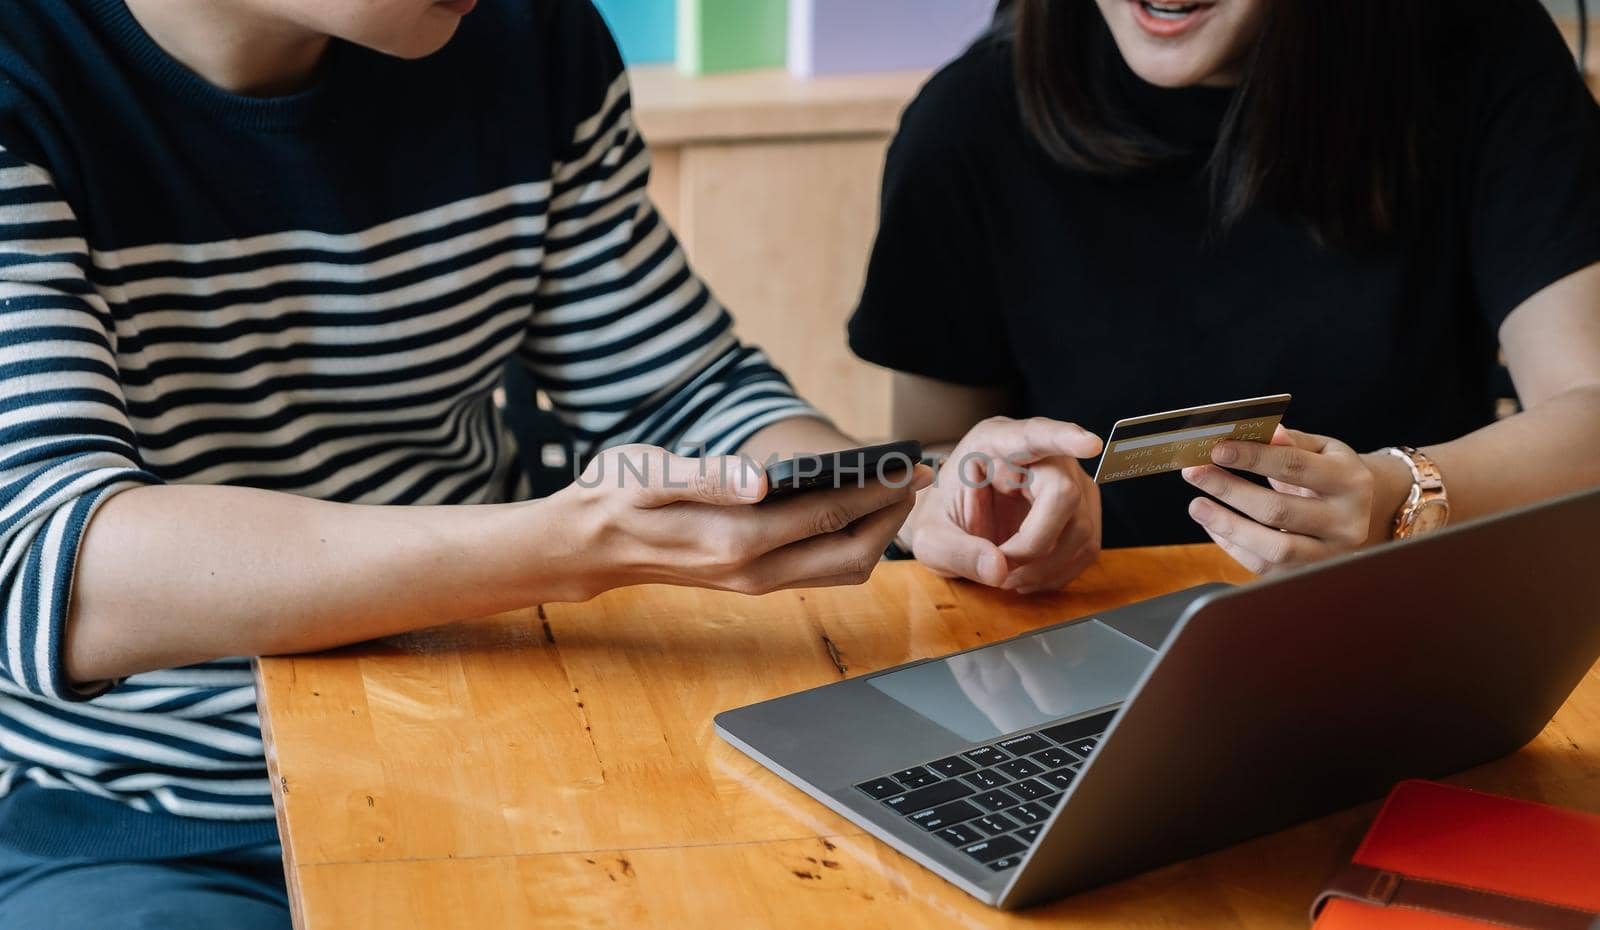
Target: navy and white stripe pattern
(345,366)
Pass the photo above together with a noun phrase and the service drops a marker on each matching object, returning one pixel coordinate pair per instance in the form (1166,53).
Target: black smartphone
(853,468)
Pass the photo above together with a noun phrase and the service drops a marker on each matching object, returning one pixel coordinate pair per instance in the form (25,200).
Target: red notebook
(1445,858)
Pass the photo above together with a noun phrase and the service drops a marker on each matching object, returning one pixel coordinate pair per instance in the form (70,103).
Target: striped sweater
(314,294)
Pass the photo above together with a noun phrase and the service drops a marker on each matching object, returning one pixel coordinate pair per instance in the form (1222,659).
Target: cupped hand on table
(641,515)
(1012,507)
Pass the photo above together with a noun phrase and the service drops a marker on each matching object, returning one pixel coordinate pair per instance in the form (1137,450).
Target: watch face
(1431,516)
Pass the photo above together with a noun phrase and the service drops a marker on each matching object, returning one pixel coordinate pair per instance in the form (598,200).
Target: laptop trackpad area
(1022,683)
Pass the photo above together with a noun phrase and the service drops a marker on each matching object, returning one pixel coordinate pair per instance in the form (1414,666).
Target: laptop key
(1028,789)
(995,800)
(1005,862)
(1062,779)
(992,849)
(951,767)
(941,792)
(1078,729)
(880,788)
(1052,801)
(1019,768)
(1054,758)
(995,824)
(987,778)
(1030,813)
(1029,834)
(945,815)
(1022,745)
(986,755)
(1083,746)
(915,777)
(959,835)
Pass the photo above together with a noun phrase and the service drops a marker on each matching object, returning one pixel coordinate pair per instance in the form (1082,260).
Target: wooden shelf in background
(672,109)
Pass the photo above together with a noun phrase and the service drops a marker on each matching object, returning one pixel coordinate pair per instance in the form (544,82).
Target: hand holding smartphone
(890,463)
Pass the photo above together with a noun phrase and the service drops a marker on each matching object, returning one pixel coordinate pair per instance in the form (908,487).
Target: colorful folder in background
(848,36)
(646,30)
(731,35)
(1445,858)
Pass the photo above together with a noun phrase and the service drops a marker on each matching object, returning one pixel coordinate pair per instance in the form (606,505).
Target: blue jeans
(241,890)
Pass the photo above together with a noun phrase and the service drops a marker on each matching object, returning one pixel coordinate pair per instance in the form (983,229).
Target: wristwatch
(1427,508)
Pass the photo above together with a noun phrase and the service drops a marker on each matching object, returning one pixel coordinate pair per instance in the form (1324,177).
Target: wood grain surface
(557,767)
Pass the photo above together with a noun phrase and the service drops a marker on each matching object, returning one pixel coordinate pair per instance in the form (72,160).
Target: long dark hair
(1331,124)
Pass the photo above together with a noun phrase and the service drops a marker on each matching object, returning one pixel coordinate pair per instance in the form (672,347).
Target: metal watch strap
(1426,474)
(1427,483)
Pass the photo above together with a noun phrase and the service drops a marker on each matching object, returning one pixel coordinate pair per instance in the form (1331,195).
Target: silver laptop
(1107,745)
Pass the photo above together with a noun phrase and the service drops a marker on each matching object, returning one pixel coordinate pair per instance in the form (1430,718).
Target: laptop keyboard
(991,801)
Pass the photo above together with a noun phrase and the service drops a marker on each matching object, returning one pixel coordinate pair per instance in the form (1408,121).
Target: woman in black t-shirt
(1108,209)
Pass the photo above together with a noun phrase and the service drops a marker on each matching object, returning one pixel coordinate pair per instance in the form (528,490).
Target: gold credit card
(1163,442)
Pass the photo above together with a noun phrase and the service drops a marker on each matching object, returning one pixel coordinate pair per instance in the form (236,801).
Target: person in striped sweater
(262,263)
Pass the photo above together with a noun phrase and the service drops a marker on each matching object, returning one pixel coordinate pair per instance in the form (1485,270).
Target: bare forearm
(795,436)
(1551,449)
(172,575)
(939,413)
(1546,451)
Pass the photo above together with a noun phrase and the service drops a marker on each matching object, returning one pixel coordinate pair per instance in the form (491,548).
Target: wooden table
(557,767)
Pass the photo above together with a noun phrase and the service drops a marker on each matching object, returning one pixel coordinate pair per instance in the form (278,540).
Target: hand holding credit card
(1177,439)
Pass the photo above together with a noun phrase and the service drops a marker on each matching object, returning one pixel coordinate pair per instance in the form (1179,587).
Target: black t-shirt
(1098,298)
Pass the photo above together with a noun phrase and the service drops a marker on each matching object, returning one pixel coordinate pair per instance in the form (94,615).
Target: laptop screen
(1022,683)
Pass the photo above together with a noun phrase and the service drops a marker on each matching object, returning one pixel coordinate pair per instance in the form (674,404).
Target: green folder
(731,35)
